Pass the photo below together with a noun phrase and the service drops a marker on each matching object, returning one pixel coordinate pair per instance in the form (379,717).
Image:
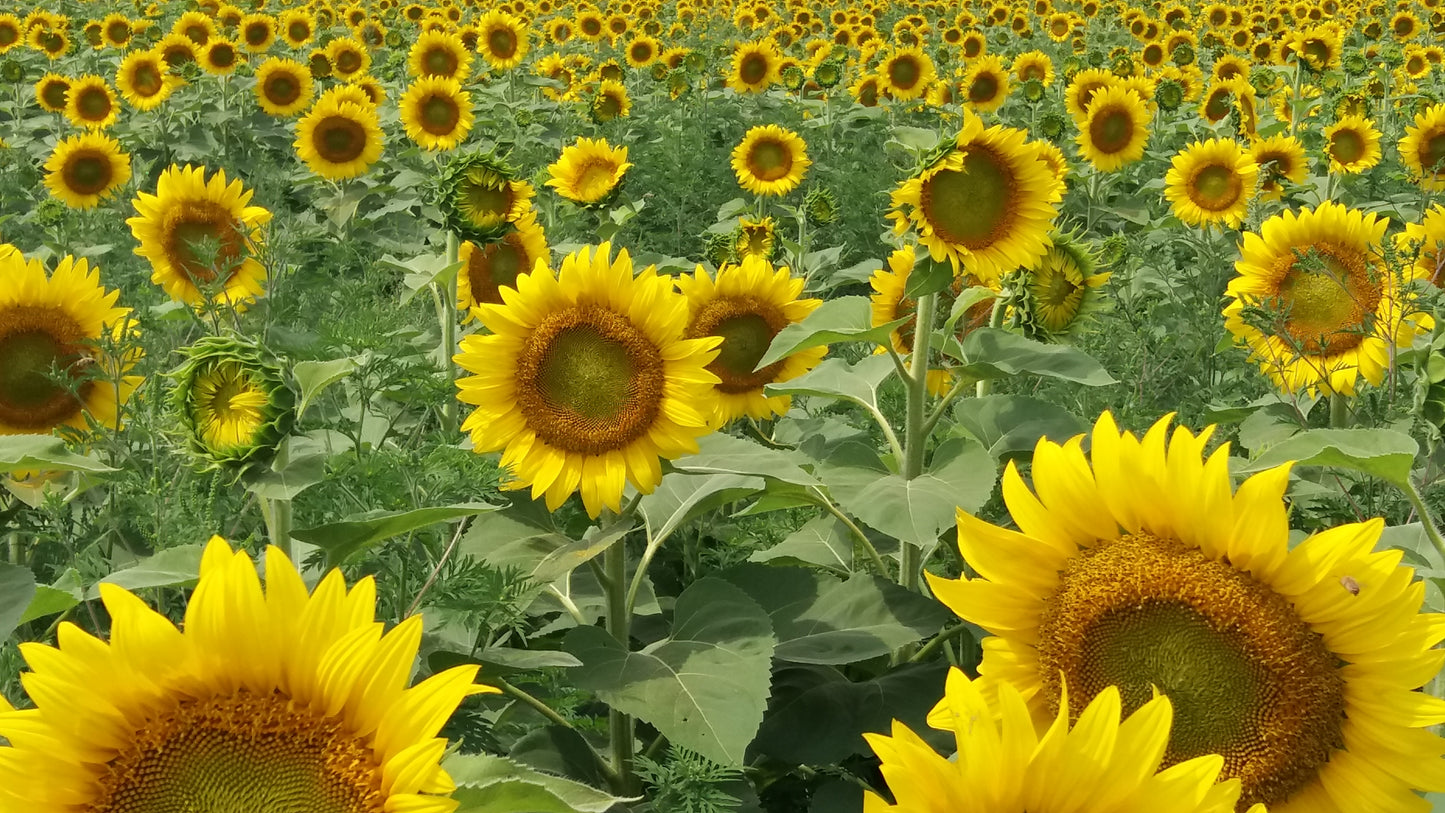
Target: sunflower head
(480,195)
(1212,182)
(86,169)
(1057,295)
(589,172)
(233,402)
(821,206)
(770,160)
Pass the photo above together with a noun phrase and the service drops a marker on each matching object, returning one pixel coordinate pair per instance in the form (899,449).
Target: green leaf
(819,619)
(343,540)
(173,567)
(725,454)
(705,687)
(313,377)
(824,541)
(836,378)
(44,453)
(17,587)
(992,353)
(963,302)
(845,319)
(508,538)
(1013,424)
(1382,453)
(300,463)
(928,277)
(490,784)
(423,271)
(64,593)
(681,496)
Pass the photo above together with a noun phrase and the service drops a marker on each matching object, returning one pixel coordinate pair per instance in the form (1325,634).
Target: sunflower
(985,206)
(52,92)
(1211,182)
(586,380)
(1144,569)
(1034,65)
(10,32)
(1425,241)
(85,169)
(438,53)
(642,51)
(116,30)
(144,80)
(589,172)
(756,237)
(1114,130)
(501,39)
(339,139)
(1083,87)
(610,101)
(1062,287)
(347,57)
(219,57)
(1053,158)
(196,26)
(986,85)
(1111,766)
(591,25)
(298,27)
(889,303)
(52,371)
(1404,26)
(53,42)
(492,265)
(1423,148)
(177,50)
(1316,303)
(283,87)
(865,90)
(1352,145)
(481,197)
(1280,158)
(257,32)
(233,400)
(560,30)
(436,113)
(90,103)
(906,73)
(770,160)
(746,306)
(274,698)
(199,236)
(756,66)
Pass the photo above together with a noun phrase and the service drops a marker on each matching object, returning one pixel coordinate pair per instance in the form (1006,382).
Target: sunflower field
(628,406)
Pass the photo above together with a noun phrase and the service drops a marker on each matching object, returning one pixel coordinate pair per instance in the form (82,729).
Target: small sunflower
(589,172)
(585,380)
(1423,148)
(756,66)
(439,53)
(52,92)
(1316,304)
(889,303)
(986,85)
(219,57)
(1280,158)
(283,87)
(85,169)
(90,103)
(1211,182)
(233,401)
(144,80)
(770,160)
(642,51)
(257,32)
(481,197)
(298,27)
(177,50)
(195,26)
(1352,144)
(436,112)
(1142,568)
(1034,65)
(494,264)
(1115,129)
(339,139)
(756,237)
(1082,88)
(501,39)
(274,698)
(347,57)
(610,101)
(1063,288)
(746,306)
(1425,241)
(906,73)
(11,34)
(200,237)
(986,205)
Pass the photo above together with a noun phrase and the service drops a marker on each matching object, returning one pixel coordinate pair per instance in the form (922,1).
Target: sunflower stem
(1417,500)
(449,334)
(1339,411)
(995,320)
(619,622)
(915,435)
(277,513)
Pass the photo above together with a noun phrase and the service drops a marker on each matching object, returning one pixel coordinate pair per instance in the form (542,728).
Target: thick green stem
(17,548)
(619,623)
(449,335)
(995,319)
(1432,531)
(915,436)
(1339,411)
(277,514)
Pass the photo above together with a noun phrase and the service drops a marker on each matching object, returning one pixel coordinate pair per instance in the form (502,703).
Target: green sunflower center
(348,62)
(258,34)
(972,207)
(486,203)
(88,173)
(34,366)
(440,115)
(1327,296)
(147,80)
(589,381)
(1347,146)
(753,69)
(607,106)
(242,754)
(1216,187)
(770,160)
(222,55)
(203,241)
(228,408)
(747,326)
(1111,130)
(339,139)
(298,31)
(93,104)
(54,94)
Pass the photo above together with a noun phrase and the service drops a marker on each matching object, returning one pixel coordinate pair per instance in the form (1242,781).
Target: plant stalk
(619,622)
(449,335)
(277,514)
(915,435)
(1432,531)
(995,320)
(1339,411)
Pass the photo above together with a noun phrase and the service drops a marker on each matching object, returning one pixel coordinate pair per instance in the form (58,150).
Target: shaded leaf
(845,319)
(836,378)
(313,377)
(993,353)
(1014,424)
(44,453)
(343,540)
(490,784)
(719,453)
(300,463)
(680,496)
(822,541)
(49,599)
(1382,453)
(173,567)
(17,588)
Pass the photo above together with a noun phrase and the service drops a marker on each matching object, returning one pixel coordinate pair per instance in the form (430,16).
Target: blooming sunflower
(439,53)
(501,39)
(1083,87)
(1111,766)
(283,87)
(770,160)
(1423,148)
(986,84)
(11,34)
(436,112)
(589,172)
(348,57)
(1426,242)
(1034,65)
(233,401)
(49,358)
(610,101)
(52,92)
(1352,145)
(298,27)
(1144,569)
(258,32)
(219,57)
(756,237)
(889,303)
(85,169)
(274,698)
(494,264)
(1334,311)
(199,236)
(339,139)
(586,380)
(90,103)
(144,80)
(196,26)
(906,73)
(986,205)
(1280,158)
(756,66)
(177,50)
(746,306)
(1211,182)
(1115,129)
(642,51)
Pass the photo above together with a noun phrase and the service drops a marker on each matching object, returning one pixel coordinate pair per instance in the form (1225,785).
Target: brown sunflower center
(904,72)
(88,172)
(770,160)
(298,31)
(983,89)
(39,361)
(1032,70)
(93,104)
(747,326)
(608,106)
(589,381)
(147,80)
(1327,296)
(1432,153)
(1248,679)
(1218,104)
(440,114)
(974,206)
(753,69)
(282,89)
(1347,146)
(348,61)
(197,33)
(1215,187)
(54,94)
(1111,130)
(502,43)
(241,754)
(222,55)
(203,240)
(258,34)
(495,265)
(440,61)
(339,139)
(9,34)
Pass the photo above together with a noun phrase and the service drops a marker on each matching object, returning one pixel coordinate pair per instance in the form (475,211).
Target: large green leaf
(1013,424)
(681,496)
(343,540)
(705,687)
(819,619)
(300,463)
(1383,453)
(993,353)
(719,453)
(17,587)
(845,319)
(823,541)
(836,378)
(313,377)
(57,597)
(543,555)
(44,453)
(490,784)
(173,567)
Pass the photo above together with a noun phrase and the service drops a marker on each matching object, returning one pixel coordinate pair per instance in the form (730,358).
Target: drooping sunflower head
(55,367)
(1211,182)
(1062,289)
(1115,129)
(90,103)
(283,87)
(493,265)
(586,380)
(746,306)
(986,85)
(770,160)
(1423,148)
(177,50)
(1281,158)
(756,66)
(1315,302)
(339,139)
(439,53)
(1352,144)
(233,402)
(501,39)
(436,112)
(85,169)
(268,698)
(480,195)
(201,237)
(589,172)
